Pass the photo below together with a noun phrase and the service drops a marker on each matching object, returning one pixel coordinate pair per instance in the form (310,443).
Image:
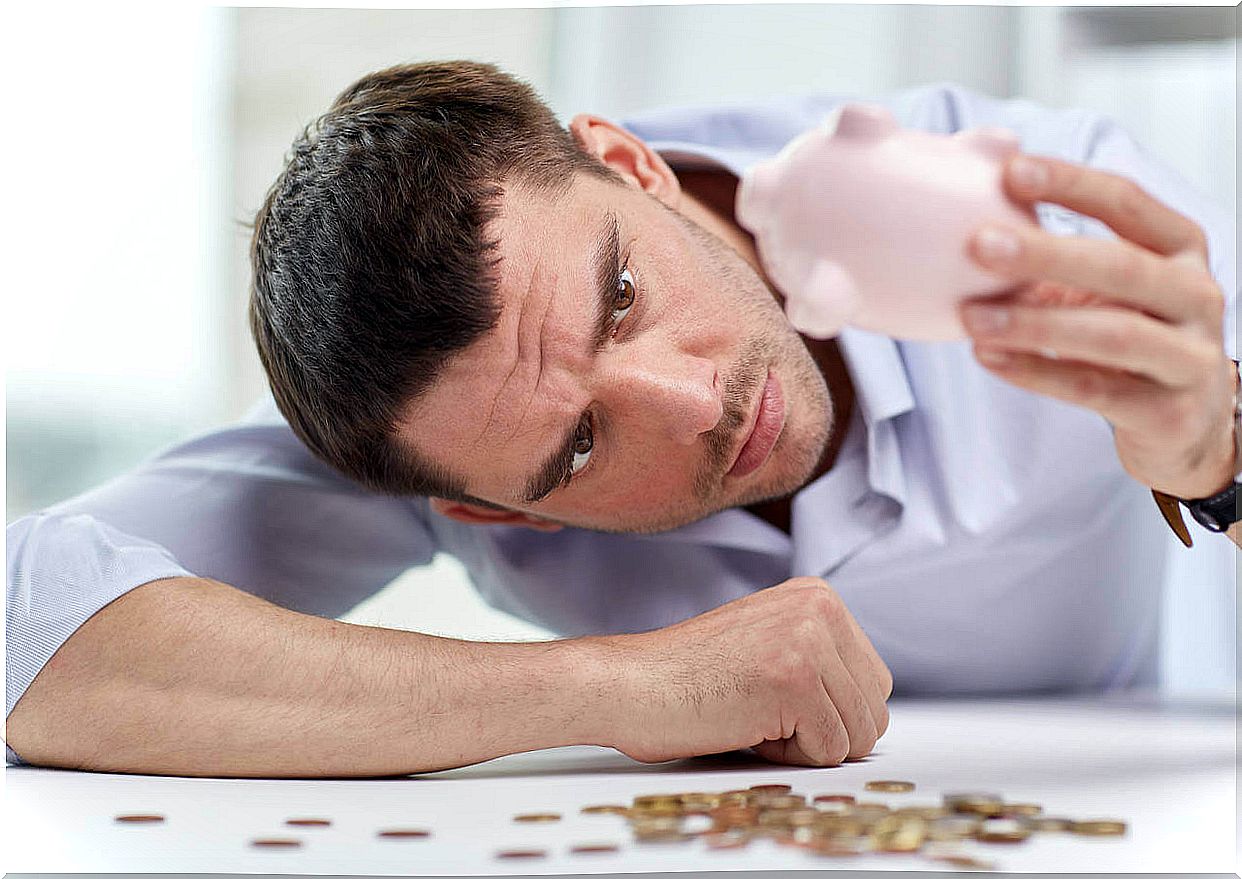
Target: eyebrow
(606,261)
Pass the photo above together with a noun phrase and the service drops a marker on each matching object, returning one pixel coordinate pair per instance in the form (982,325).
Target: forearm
(193,677)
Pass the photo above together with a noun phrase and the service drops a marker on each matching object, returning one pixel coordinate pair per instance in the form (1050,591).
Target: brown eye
(584,441)
(623,299)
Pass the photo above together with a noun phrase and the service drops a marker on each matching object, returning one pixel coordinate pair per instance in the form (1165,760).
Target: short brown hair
(370,262)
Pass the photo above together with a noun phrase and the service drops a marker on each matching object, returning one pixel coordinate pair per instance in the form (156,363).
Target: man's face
(639,374)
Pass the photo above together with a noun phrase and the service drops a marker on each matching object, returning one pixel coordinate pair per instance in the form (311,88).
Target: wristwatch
(1218,512)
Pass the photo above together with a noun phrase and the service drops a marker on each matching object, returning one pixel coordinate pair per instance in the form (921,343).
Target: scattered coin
(1098,828)
(890,787)
(967,861)
(1051,825)
(537,818)
(309,822)
(834,798)
(273,842)
(605,810)
(594,848)
(522,853)
(140,819)
(404,833)
(771,788)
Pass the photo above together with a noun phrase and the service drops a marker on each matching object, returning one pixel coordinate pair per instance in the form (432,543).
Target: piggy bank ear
(999,143)
(823,302)
(860,121)
(753,206)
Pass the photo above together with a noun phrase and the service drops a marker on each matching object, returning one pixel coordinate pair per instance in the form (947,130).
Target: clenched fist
(786,670)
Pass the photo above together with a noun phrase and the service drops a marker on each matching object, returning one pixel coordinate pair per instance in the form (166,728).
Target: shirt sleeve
(247,505)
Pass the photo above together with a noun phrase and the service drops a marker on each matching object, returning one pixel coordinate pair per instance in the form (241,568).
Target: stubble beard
(774,342)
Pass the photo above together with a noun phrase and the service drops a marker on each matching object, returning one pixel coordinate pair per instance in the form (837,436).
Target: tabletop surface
(1168,770)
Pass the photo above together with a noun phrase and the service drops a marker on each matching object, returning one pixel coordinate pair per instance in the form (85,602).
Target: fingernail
(998,244)
(1030,175)
(992,357)
(986,318)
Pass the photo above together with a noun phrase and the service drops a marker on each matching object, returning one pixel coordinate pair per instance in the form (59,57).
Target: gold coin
(927,813)
(1021,810)
(987,805)
(834,848)
(890,787)
(871,809)
(1051,825)
(309,822)
(953,827)
(140,819)
(593,848)
(718,840)
(537,818)
(404,833)
(605,810)
(834,798)
(272,842)
(649,800)
(522,853)
(967,861)
(771,788)
(782,801)
(1098,828)
(661,836)
(1002,830)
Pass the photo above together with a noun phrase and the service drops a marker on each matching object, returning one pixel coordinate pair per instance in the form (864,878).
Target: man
(555,355)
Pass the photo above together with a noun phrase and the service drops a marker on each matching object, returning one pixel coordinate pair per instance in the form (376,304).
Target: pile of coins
(839,825)
(833,825)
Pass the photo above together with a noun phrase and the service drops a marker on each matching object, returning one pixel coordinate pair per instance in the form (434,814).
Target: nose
(679,396)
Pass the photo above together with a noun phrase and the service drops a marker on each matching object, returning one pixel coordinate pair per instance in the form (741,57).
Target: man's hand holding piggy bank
(890,230)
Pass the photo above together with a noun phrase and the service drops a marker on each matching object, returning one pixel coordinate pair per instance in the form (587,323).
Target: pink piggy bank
(862,222)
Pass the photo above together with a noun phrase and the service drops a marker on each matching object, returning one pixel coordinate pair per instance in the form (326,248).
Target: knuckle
(792,666)
(1116,339)
(1130,269)
(881,722)
(837,747)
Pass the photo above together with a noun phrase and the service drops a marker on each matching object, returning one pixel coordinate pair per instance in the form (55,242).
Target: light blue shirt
(986,539)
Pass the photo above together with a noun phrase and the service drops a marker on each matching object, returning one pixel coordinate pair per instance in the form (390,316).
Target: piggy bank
(864,223)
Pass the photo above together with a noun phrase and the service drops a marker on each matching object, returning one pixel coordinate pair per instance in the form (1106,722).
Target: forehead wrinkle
(523,318)
(539,372)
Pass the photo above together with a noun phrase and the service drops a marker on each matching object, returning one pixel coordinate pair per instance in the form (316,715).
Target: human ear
(473,514)
(628,155)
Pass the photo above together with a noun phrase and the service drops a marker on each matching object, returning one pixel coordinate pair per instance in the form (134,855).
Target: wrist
(591,677)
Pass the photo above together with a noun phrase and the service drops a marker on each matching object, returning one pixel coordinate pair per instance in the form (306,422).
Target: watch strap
(1170,507)
(1218,512)
(1172,512)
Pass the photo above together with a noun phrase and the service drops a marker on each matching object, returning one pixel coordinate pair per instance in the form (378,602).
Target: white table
(1168,770)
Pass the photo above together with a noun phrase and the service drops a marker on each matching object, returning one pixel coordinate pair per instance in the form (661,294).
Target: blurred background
(147,140)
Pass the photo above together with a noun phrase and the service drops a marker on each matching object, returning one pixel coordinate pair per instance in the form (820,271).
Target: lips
(766,428)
